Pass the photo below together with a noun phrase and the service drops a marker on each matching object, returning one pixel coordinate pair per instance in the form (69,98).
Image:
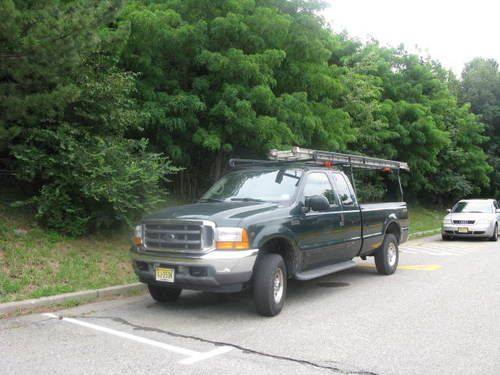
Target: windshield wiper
(248,199)
(210,200)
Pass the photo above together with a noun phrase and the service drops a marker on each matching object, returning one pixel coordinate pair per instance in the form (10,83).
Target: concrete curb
(426,231)
(423,239)
(31,304)
(424,234)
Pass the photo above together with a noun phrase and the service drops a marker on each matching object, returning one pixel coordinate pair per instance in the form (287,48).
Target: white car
(472,218)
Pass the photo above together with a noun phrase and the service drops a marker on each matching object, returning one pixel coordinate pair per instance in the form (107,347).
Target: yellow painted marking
(422,267)
(419,267)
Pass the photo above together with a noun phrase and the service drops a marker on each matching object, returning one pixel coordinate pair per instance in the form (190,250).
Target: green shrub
(90,182)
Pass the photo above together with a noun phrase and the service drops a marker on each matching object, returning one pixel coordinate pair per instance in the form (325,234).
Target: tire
(495,234)
(269,284)
(445,237)
(164,293)
(387,257)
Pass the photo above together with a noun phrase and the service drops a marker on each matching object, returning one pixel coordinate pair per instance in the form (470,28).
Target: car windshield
(278,185)
(473,207)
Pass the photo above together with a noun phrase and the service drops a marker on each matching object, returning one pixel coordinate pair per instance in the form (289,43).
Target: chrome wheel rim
(392,254)
(278,287)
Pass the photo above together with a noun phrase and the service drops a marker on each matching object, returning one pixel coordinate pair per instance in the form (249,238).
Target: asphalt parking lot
(439,314)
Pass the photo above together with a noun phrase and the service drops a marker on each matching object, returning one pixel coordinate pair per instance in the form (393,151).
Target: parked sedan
(472,218)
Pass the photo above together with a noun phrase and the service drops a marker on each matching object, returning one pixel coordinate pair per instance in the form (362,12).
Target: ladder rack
(336,158)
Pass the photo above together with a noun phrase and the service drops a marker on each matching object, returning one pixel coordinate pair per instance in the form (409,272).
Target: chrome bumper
(218,270)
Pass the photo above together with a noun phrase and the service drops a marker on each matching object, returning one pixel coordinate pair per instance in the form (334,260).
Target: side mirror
(448,210)
(317,203)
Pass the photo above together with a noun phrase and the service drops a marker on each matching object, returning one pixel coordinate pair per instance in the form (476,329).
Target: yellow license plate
(463,230)
(165,274)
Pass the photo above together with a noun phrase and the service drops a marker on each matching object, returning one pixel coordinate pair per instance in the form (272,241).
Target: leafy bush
(91,182)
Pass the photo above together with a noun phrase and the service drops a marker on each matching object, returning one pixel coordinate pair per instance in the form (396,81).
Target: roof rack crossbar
(298,154)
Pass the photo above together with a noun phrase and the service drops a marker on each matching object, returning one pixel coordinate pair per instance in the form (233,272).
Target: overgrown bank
(36,262)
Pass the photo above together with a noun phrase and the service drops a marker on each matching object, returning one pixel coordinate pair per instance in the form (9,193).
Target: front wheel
(495,233)
(164,293)
(269,284)
(387,257)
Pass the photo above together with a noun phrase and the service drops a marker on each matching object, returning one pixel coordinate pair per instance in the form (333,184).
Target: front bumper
(218,270)
(473,230)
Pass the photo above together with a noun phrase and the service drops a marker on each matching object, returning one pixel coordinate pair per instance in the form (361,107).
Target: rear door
(318,232)
(351,216)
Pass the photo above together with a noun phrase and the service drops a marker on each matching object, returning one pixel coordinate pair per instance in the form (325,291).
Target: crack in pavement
(221,343)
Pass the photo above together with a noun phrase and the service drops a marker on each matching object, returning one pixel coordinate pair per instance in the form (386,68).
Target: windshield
(256,185)
(473,207)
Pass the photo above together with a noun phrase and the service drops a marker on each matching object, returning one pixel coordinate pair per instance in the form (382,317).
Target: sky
(450,31)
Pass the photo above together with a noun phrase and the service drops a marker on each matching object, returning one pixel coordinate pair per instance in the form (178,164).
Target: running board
(326,270)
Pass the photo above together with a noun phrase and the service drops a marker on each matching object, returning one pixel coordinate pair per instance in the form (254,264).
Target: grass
(424,219)
(36,262)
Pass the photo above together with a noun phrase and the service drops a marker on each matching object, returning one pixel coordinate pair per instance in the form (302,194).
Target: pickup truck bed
(375,218)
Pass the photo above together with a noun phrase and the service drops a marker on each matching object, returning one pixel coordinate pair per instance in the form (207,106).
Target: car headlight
(446,221)
(228,238)
(139,235)
(483,221)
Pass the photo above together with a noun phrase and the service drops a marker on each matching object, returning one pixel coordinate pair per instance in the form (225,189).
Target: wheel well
(283,247)
(394,229)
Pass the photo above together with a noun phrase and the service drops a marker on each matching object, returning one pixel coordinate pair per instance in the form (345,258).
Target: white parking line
(442,248)
(192,355)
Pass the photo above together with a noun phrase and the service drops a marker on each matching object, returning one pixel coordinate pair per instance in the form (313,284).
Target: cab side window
(318,184)
(343,190)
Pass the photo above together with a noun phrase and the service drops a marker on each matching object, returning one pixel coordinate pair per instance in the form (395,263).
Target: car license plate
(463,230)
(165,274)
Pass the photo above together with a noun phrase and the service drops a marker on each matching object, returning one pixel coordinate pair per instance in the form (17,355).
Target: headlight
(446,221)
(231,238)
(483,221)
(139,235)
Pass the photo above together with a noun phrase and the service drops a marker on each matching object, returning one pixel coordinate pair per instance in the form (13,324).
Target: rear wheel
(269,285)
(387,257)
(495,234)
(164,293)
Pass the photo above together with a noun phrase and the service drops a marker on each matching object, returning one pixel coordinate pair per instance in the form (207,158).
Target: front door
(318,231)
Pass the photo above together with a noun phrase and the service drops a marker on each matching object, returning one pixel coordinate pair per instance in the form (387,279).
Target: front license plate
(463,230)
(165,274)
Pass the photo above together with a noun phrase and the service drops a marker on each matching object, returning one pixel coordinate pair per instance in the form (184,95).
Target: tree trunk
(219,165)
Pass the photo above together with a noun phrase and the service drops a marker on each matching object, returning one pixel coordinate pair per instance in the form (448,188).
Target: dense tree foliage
(65,110)
(93,93)
(224,78)
(481,88)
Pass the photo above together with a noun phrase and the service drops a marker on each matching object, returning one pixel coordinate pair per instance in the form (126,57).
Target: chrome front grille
(178,236)
(463,221)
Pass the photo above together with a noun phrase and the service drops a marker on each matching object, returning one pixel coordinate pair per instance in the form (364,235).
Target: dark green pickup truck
(261,225)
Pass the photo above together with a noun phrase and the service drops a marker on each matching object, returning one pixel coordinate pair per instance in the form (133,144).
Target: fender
(392,219)
(271,232)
